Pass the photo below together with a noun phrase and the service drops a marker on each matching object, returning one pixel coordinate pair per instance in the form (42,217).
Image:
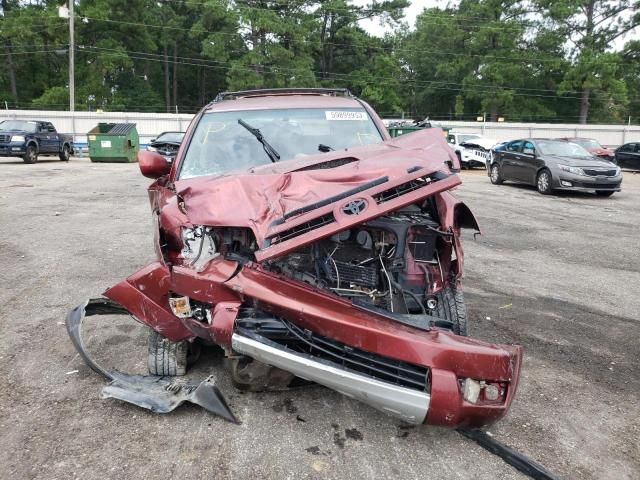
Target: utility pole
(72,82)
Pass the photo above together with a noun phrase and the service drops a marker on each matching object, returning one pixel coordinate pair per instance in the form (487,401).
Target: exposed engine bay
(389,262)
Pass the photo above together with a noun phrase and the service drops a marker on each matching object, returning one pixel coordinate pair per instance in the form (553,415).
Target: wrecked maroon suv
(295,234)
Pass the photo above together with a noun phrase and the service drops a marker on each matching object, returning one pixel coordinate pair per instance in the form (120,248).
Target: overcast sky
(417,6)
(410,14)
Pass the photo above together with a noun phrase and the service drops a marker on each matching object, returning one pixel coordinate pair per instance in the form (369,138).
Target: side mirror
(152,140)
(152,164)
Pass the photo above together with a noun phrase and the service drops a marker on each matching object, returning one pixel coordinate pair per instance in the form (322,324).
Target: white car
(472,150)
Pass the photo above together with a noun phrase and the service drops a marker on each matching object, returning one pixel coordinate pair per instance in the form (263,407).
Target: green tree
(592,27)
(484,56)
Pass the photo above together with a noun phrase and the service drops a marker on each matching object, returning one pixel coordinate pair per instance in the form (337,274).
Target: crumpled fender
(455,214)
(145,295)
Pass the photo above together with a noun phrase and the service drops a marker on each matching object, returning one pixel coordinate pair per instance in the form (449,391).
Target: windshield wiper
(269,150)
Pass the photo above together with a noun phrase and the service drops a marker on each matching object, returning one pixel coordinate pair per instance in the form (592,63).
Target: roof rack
(334,92)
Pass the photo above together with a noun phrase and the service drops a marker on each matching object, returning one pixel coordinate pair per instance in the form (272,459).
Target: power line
(27,53)
(389,49)
(335,76)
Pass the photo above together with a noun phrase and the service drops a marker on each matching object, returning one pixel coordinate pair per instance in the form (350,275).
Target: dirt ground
(559,275)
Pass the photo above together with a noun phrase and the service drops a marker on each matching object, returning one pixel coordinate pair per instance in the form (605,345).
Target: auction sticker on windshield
(345,115)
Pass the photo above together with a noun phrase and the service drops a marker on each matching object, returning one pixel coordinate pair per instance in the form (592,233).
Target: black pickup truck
(32,138)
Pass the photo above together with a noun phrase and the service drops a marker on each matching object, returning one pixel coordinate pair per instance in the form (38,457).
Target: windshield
(220,144)
(587,143)
(18,126)
(170,137)
(562,149)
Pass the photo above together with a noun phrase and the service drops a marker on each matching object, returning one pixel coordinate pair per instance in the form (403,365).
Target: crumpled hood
(486,143)
(266,198)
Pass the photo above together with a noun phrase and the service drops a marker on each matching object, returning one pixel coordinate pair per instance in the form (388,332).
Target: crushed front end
(342,270)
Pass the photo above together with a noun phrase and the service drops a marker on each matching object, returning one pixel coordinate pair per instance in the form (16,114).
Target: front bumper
(12,149)
(448,358)
(569,181)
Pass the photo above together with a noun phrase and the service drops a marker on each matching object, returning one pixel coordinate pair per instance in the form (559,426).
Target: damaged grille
(301,229)
(300,340)
(407,187)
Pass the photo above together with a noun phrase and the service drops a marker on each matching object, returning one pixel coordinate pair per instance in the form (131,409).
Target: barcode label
(345,115)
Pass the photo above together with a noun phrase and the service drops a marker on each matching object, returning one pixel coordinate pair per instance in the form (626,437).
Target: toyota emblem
(354,207)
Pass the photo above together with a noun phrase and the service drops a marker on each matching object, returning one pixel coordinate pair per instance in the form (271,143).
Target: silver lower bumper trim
(409,405)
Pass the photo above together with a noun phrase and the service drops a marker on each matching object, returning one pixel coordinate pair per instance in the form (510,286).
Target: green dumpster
(397,130)
(113,142)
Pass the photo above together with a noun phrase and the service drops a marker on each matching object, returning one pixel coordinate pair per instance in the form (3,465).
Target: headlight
(618,171)
(152,149)
(17,138)
(574,170)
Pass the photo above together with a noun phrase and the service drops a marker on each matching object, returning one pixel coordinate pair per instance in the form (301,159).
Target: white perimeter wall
(150,125)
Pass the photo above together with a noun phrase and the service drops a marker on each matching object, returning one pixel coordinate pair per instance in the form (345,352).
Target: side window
(42,127)
(528,148)
(514,146)
(637,149)
(50,127)
(627,148)
(451,138)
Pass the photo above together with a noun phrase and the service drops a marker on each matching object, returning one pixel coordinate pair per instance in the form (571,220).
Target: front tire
(495,175)
(543,182)
(31,155)
(451,307)
(65,154)
(167,358)
(604,193)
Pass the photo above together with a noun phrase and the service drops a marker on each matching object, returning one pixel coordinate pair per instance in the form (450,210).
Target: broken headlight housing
(199,246)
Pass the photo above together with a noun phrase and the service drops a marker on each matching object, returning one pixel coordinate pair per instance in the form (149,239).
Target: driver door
(527,164)
(44,138)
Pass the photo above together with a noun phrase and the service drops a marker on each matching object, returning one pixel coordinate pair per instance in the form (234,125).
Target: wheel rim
(32,153)
(494,173)
(543,182)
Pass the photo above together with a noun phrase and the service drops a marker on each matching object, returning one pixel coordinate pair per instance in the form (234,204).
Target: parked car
(30,139)
(472,150)
(166,144)
(477,152)
(554,165)
(592,146)
(293,232)
(628,155)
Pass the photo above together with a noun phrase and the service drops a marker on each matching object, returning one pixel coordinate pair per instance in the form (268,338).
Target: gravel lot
(559,275)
